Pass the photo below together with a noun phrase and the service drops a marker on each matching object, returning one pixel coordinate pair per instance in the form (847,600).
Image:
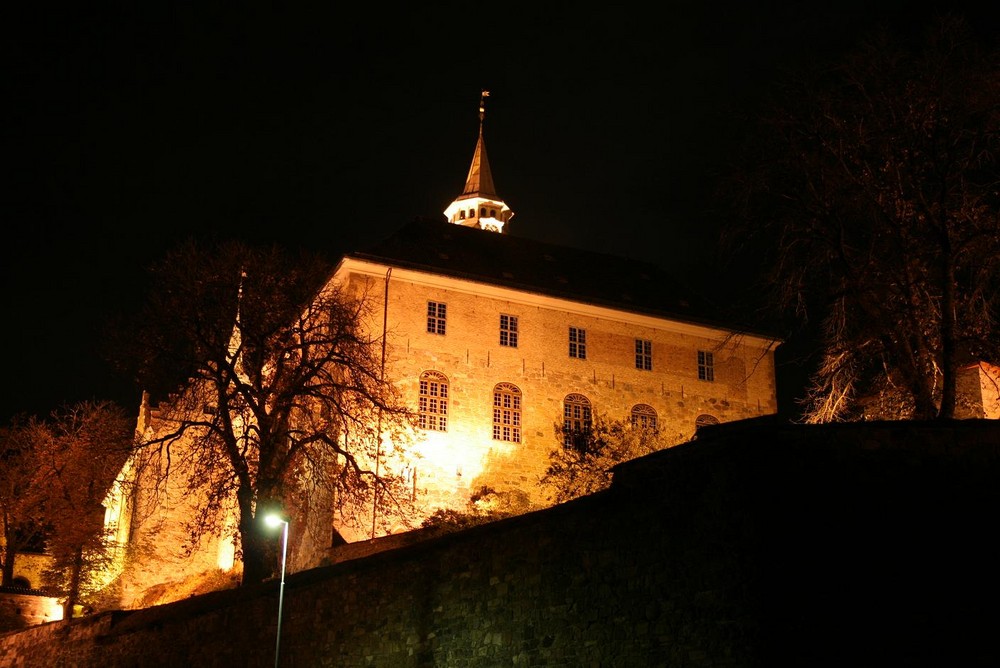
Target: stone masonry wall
(757,545)
(449,465)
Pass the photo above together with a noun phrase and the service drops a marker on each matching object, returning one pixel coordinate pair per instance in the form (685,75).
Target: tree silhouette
(80,450)
(21,492)
(269,386)
(583,462)
(871,196)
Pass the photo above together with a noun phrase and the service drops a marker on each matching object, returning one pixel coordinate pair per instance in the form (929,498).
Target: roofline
(568,296)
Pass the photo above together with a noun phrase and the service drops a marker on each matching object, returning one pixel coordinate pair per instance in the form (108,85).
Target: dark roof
(559,271)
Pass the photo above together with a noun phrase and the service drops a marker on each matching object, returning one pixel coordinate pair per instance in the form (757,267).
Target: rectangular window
(436,312)
(706,366)
(578,343)
(644,354)
(508,330)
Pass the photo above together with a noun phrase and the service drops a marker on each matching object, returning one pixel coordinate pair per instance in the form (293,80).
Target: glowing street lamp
(274,520)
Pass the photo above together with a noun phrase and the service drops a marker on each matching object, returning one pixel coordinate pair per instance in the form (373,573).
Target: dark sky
(130,126)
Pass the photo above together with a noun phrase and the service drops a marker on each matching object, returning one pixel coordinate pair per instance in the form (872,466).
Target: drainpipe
(381,378)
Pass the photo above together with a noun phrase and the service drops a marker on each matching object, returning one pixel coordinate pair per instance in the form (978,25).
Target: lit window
(578,343)
(507,413)
(576,421)
(436,312)
(508,330)
(705,420)
(433,413)
(706,366)
(643,354)
(643,416)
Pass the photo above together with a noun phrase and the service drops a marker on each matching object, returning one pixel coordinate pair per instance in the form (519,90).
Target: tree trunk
(74,583)
(8,555)
(255,562)
(8,567)
(949,349)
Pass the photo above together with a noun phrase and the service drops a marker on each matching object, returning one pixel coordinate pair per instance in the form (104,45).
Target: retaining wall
(756,545)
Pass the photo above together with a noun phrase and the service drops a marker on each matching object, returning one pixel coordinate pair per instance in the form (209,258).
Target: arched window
(472,213)
(643,416)
(704,420)
(433,413)
(576,420)
(482,212)
(507,413)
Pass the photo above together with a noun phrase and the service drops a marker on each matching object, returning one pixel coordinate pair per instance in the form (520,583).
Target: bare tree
(872,194)
(80,450)
(277,385)
(582,464)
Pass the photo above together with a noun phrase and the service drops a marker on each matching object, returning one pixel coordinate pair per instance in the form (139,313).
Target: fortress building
(497,341)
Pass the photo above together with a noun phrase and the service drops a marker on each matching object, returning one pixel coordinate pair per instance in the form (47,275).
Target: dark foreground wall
(757,545)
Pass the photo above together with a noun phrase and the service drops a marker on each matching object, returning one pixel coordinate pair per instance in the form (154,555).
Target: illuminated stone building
(498,341)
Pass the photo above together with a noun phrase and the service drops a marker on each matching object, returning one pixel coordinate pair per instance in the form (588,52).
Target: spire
(479,182)
(478,205)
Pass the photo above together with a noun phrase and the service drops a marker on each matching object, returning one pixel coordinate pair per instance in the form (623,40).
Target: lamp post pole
(273,521)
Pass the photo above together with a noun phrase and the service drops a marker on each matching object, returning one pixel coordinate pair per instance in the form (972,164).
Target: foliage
(871,194)
(81,450)
(485,505)
(280,390)
(193,585)
(20,491)
(584,466)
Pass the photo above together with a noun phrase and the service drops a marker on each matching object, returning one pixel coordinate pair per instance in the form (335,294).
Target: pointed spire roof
(479,182)
(479,205)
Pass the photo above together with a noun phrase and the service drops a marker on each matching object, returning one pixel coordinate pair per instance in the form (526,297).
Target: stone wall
(30,567)
(444,469)
(757,545)
(448,466)
(24,607)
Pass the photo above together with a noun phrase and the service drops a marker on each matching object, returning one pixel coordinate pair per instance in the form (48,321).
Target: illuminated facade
(487,340)
(499,341)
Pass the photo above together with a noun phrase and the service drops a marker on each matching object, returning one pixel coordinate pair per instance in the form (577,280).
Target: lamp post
(274,520)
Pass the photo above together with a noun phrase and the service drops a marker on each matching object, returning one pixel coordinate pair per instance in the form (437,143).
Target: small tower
(478,205)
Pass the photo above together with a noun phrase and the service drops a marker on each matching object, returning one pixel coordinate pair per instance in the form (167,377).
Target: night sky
(131,126)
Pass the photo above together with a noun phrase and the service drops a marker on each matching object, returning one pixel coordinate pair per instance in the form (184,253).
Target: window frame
(706,366)
(644,354)
(705,420)
(577,342)
(644,416)
(437,323)
(432,408)
(507,413)
(578,421)
(508,330)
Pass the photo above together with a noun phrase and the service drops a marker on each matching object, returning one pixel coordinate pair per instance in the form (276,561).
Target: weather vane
(482,104)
